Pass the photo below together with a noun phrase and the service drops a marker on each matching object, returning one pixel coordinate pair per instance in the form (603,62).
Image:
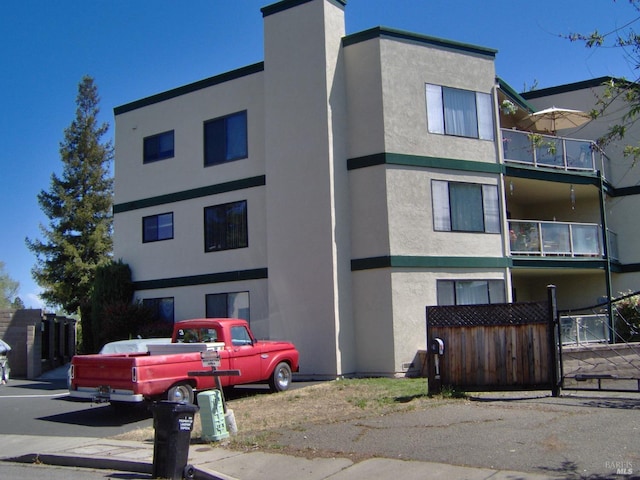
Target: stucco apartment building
(331,192)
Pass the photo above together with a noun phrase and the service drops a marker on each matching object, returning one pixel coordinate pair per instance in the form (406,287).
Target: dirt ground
(259,414)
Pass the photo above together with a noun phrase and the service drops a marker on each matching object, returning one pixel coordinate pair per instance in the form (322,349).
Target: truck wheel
(280,378)
(182,392)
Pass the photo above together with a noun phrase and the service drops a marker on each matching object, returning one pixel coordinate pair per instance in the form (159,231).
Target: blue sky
(137,48)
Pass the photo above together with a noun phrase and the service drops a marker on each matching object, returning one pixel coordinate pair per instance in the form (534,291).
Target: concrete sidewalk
(215,462)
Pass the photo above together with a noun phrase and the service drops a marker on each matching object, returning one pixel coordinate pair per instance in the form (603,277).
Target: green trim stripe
(420,161)
(243,184)
(401,261)
(629,268)
(624,191)
(224,277)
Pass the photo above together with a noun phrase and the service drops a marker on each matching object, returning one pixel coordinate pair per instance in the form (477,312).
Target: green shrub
(627,319)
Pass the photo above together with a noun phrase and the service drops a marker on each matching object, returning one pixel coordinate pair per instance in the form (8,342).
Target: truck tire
(280,378)
(181,392)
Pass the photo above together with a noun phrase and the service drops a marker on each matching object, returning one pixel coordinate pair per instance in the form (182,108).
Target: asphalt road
(21,471)
(43,407)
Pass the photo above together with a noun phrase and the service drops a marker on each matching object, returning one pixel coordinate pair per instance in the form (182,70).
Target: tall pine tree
(78,206)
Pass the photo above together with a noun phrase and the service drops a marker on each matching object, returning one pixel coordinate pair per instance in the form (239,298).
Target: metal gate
(493,347)
(600,346)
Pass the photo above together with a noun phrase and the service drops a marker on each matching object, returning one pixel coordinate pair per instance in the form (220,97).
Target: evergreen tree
(78,206)
(8,289)
(112,286)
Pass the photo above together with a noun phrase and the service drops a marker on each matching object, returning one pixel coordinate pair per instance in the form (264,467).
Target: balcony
(532,238)
(551,151)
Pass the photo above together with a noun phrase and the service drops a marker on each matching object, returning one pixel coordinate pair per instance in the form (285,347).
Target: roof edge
(191,87)
(569,87)
(287,4)
(381,32)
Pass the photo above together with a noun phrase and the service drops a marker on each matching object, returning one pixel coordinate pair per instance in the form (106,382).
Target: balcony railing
(550,151)
(577,330)
(555,238)
(613,246)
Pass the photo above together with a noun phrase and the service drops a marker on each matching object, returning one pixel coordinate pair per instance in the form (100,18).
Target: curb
(104,464)
(84,462)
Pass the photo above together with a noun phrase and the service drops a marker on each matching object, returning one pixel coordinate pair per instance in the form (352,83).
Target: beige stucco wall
(314,106)
(186,115)
(411,229)
(364,102)
(406,68)
(391,206)
(185,254)
(622,213)
(306,195)
(373,311)
(625,283)
(370,216)
(574,288)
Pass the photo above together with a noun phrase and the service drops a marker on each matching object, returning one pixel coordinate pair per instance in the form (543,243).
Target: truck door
(244,357)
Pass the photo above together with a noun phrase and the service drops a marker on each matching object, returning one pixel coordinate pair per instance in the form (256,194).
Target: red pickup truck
(167,371)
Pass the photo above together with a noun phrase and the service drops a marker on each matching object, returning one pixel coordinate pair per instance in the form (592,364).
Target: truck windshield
(196,335)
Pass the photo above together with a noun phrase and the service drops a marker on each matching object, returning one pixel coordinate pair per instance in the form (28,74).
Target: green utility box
(214,427)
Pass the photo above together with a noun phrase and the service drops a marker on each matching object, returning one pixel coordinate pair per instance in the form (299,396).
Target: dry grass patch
(260,415)
(328,402)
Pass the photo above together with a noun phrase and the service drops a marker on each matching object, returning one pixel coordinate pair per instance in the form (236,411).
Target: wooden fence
(493,347)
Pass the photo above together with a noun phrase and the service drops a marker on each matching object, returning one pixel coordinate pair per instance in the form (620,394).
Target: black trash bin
(173,423)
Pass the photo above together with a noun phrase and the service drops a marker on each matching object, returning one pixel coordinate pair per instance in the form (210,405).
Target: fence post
(434,386)
(553,343)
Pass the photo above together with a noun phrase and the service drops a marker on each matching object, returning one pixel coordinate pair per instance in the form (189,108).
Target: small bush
(627,319)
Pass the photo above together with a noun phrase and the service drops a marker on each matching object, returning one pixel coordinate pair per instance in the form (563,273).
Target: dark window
(225,227)
(157,227)
(162,308)
(228,305)
(158,147)
(225,139)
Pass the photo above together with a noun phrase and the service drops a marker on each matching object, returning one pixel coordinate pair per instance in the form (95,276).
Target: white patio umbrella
(4,348)
(554,119)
